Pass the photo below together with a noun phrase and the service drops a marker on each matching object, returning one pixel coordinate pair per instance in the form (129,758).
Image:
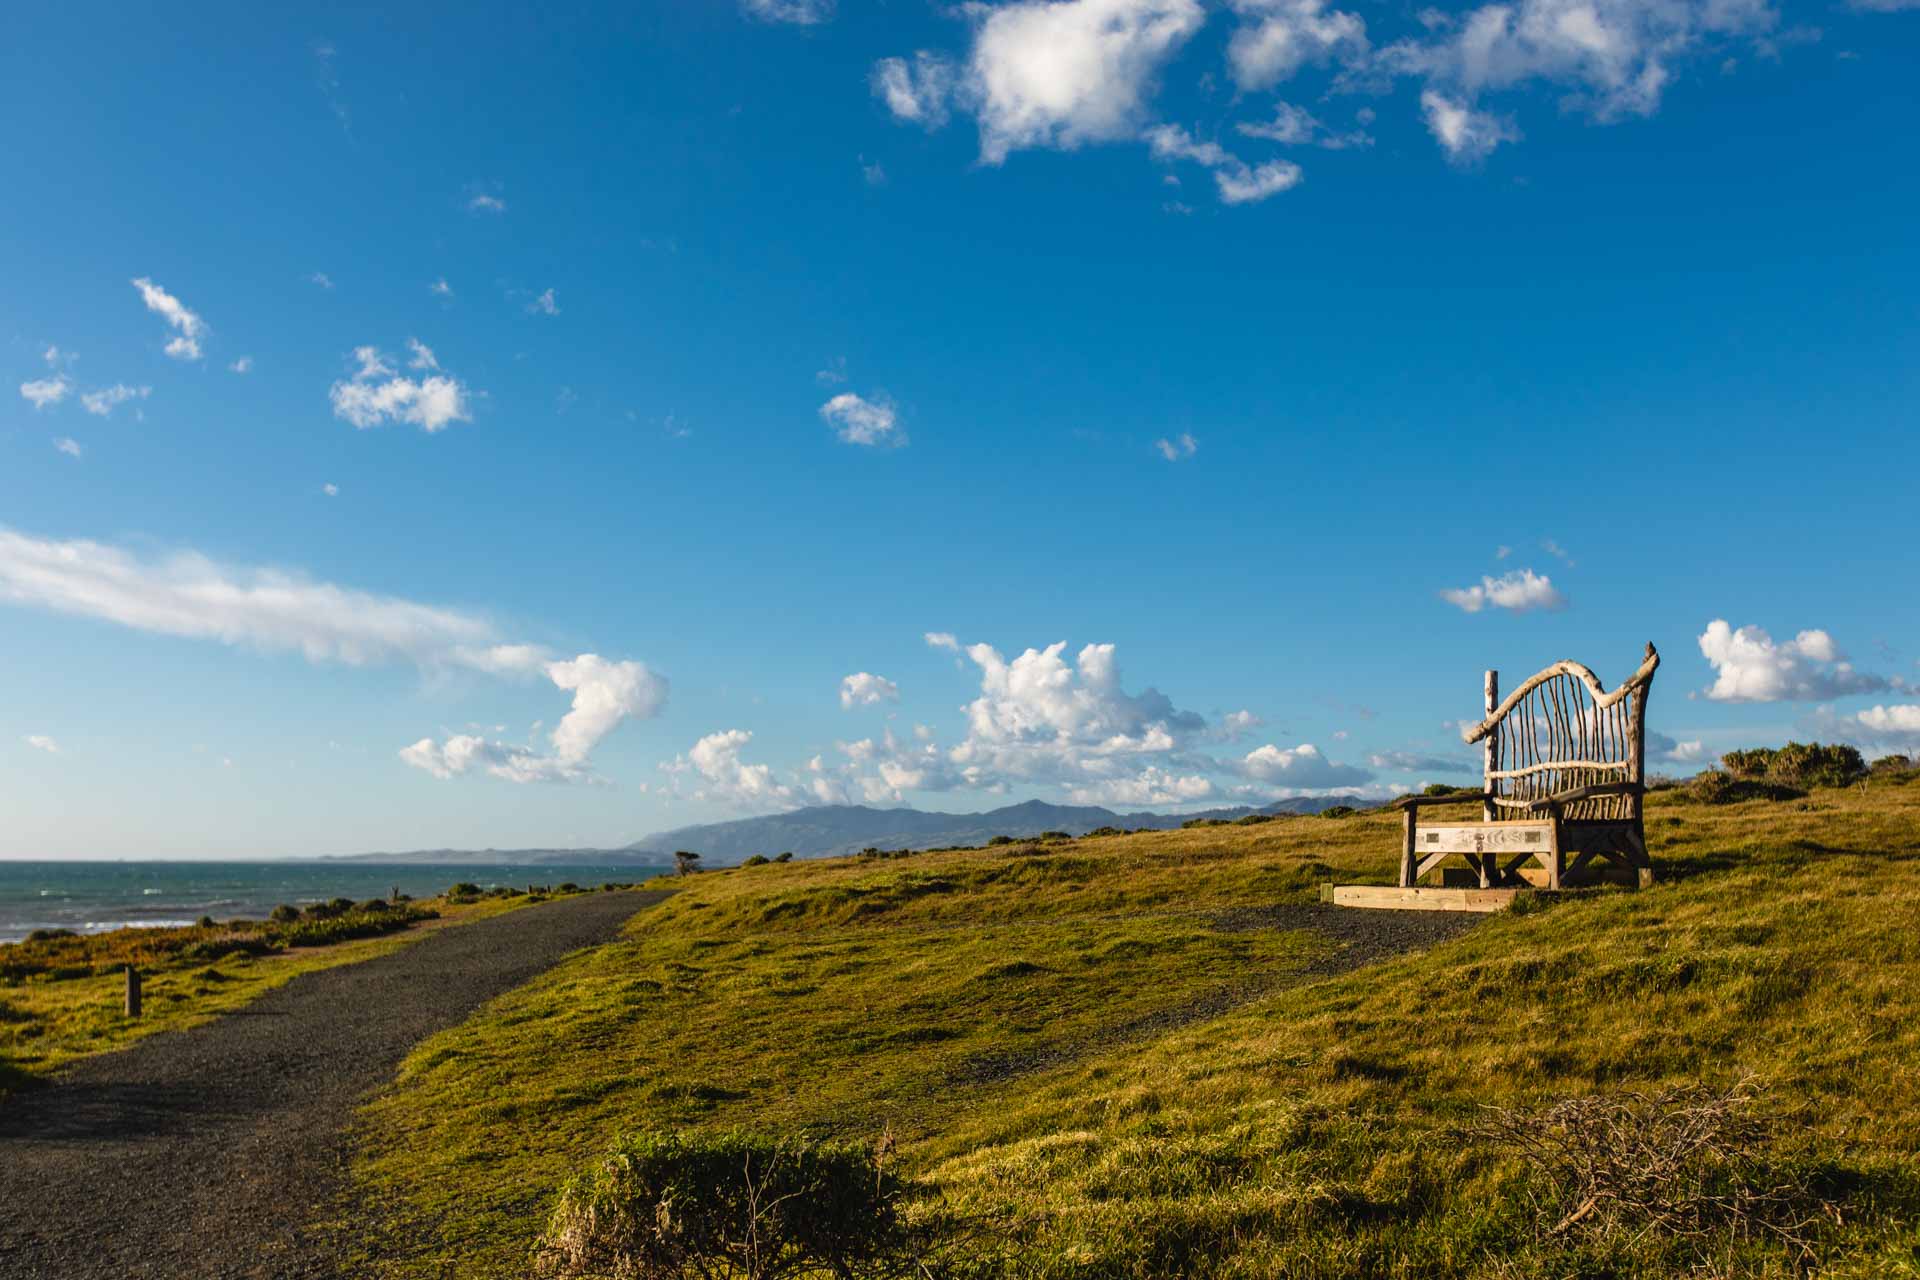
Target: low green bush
(757,860)
(731,1204)
(1253,820)
(1194,823)
(993,840)
(1338,811)
(1053,835)
(284,912)
(784,857)
(1106,831)
(1798,764)
(48,935)
(1717,787)
(464,889)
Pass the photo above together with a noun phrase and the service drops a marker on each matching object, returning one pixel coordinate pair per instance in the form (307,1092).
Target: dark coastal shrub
(784,857)
(686,862)
(1053,835)
(1798,764)
(736,1204)
(206,922)
(283,913)
(993,840)
(1443,789)
(1892,764)
(1106,831)
(1338,811)
(567,886)
(373,905)
(348,925)
(1194,823)
(1253,820)
(757,860)
(49,935)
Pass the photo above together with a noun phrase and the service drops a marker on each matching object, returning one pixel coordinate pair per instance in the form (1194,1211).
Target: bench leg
(1409,868)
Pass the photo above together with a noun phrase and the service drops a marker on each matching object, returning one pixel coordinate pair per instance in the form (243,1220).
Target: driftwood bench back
(1562,731)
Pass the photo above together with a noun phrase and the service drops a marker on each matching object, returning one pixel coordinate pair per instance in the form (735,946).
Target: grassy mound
(1125,1057)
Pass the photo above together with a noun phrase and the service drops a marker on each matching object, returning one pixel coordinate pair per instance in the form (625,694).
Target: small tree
(685,863)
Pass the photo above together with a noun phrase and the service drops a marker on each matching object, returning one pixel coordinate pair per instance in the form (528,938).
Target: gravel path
(207,1154)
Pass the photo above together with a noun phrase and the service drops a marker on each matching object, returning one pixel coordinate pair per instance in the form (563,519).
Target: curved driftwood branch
(1601,698)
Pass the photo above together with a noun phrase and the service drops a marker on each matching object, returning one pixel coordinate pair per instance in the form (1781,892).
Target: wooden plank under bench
(1391,897)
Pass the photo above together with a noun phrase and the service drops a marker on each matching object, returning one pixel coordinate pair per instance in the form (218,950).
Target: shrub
(1798,764)
(206,922)
(757,860)
(1253,820)
(48,935)
(1892,764)
(1053,835)
(1689,1163)
(743,1204)
(1193,823)
(784,857)
(1338,811)
(464,889)
(993,840)
(685,862)
(283,913)
(568,886)
(1106,831)
(1442,789)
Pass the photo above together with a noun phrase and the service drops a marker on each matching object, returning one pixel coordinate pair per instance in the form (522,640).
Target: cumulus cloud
(1236,181)
(1237,724)
(330,489)
(1276,38)
(1179,448)
(1662,747)
(857,420)
(714,771)
(69,446)
(376,393)
(41,742)
(189,328)
(864,689)
(799,13)
(1749,667)
(943,640)
(1894,727)
(1301,767)
(1466,135)
(1517,592)
(919,91)
(1063,73)
(43,392)
(1151,786)
(105,400)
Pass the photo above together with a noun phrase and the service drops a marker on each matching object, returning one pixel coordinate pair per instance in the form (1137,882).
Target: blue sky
(530,424)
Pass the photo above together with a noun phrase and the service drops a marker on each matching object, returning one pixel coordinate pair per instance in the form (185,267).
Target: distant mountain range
(829,830)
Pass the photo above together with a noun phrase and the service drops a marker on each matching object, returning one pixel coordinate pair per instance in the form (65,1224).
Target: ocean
(91,897)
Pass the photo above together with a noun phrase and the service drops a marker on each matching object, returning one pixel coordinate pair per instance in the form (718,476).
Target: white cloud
(105,400)
(41,392)
(943,640)
(1236,181)
(41,742)
(1300,767)
(1464,134)
(191,328)
(243,365)
(919,91)
(1297,127)
(1519,591)
(322,279)
(544,304)
(864,689)
(834,374)
(440,288)
(1894,727)
(481,202)
(799,13)
(190,595)
(1236,724)
(1749,667)
(1062,73)
(717,773)
(1662,747)
(421,355)
(1177,449)
(331,490)
(1151,786)
(463,752)
(873,172)
(857,420)
(376,394)
(1276,38)
(69,446)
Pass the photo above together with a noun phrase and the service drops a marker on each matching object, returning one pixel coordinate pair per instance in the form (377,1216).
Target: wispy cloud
(544,305)
(188,326)
(857,420)
(322,279)
(41,742)
(376,393)
(104,401)
(1177,448)
(799,13)
(243,365)
(43,393)
(68,446)
(440,288)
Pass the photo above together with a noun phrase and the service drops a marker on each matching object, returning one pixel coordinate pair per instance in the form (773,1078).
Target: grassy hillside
(1142,1056)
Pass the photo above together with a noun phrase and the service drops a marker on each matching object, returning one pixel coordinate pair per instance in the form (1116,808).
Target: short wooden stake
(133,992)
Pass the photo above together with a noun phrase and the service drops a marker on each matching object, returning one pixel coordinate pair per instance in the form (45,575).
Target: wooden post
(133,992)
(1490,749)
(1557,866)
(1409,856)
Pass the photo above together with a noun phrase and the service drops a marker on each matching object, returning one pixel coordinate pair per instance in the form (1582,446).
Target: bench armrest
(1465,797)
(1598,789)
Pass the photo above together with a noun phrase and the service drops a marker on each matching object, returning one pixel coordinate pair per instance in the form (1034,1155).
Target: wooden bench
(1563,782)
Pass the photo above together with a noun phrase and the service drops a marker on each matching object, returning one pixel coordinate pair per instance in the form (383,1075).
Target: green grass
(1022,1019)
(62,998)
